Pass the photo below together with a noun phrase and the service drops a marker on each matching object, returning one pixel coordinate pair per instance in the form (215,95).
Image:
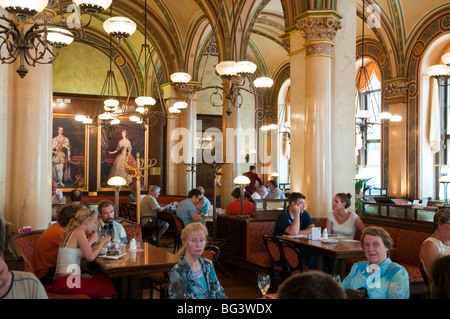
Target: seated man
(57,195)
(149,213)
(46,249)
(260,193)
(187,211)
(234,207)
(106,225)
(294,221)
(18,284)
(76,196)
(274,191)
(204,202)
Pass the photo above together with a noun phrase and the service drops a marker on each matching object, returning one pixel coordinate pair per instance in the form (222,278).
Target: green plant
(361,187)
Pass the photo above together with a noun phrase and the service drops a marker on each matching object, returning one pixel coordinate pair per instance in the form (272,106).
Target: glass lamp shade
(396,118)
(24,7)
(364,114)
(446,58)
(245,67)
(173,109)
(135,118)
(385,116)
(117,181)
(93,5)
(242,180)
(140,109)
(263,82)
(56,37)
(106,116)
(88,120)
(119,27)
(274,174)
(180,77)
(437,70)
(145,100)
(272,126)
(180,104)
(80,118)
(115,122)
(444,179)
(111,103)
(226,68)
(265,128)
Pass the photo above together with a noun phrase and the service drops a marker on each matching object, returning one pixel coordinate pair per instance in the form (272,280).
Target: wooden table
(130,267)
(344,248)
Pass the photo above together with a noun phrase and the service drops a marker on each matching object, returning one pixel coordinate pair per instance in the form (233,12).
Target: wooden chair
(294,261)
(424,275)
(25,244)
(179,225)
(276,257)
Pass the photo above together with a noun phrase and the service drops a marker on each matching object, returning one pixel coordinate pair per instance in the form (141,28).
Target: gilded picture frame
(114,146)
(70,153)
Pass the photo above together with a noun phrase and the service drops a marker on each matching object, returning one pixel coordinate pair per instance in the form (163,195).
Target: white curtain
(435,123)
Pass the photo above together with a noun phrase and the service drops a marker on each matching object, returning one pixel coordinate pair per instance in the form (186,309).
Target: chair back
(424,274)
(26,242)
(276,255)
(179,225)
(211,252)
(133,231)
(293,259)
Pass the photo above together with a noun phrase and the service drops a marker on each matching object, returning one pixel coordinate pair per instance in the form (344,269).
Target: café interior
(322,96)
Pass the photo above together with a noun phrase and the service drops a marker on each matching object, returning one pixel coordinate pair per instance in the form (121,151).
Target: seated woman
(76,244)
(342,222)
(194,277)
(234,208)
(438,244)
(382,278)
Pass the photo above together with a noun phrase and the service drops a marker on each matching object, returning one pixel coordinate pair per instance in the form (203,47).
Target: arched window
(283,152)
(368,128)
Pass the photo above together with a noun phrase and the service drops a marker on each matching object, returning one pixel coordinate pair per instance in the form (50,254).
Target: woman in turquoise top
(382,278)
(194,277)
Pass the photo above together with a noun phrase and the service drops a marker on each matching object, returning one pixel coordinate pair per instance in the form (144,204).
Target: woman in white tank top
(76,243)
(342,222)
(438,244)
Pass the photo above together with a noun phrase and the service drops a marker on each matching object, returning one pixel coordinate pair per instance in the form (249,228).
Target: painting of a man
(61,157)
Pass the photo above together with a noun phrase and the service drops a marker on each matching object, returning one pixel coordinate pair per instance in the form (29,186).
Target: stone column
(319,33)
(396,94)
(181,133)
(297,117)
(28,162)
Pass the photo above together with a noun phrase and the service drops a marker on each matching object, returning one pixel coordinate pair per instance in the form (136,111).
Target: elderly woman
(438,244)
(194,277)
(382,278)
(76,243)
(341,221)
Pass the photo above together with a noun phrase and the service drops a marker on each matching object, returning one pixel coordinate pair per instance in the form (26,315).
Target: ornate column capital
(319,28)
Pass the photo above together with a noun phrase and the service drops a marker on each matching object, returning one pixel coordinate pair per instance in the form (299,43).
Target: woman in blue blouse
(194,277)
(382,278)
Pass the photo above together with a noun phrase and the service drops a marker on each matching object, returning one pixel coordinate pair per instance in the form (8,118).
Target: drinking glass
(336,277)
(264,283)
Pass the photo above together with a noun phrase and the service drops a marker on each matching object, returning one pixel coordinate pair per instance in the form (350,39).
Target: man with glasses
(149,213)
(187,211)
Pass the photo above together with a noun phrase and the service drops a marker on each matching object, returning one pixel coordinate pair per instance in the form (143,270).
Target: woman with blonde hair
(194,277)
(76,243)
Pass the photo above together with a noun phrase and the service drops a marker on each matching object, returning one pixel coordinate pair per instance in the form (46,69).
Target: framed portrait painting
(70,147)
(116,147)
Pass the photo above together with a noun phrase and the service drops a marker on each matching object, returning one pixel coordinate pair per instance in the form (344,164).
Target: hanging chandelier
(234,73)
(40,44)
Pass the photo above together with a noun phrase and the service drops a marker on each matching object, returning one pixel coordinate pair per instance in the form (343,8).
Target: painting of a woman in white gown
(118,149)
(122,152)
